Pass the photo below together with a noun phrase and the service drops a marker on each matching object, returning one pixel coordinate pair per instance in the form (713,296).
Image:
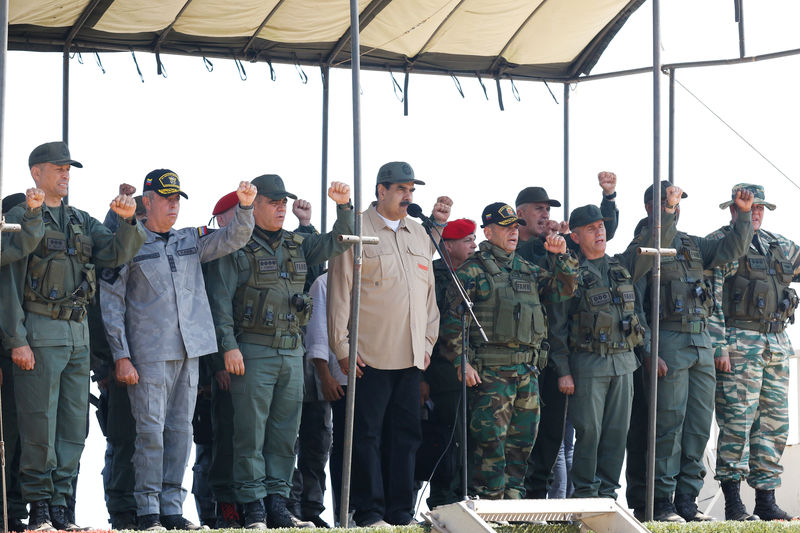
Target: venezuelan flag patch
(202,231)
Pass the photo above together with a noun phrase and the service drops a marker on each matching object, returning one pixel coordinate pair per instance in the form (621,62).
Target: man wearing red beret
(440,384)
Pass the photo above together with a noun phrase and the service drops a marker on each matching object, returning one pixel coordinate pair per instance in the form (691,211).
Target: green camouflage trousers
(503,421)
(753,416)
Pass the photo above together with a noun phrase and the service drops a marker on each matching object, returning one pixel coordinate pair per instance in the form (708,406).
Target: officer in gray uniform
(157,321)
(44,306)
(259,306)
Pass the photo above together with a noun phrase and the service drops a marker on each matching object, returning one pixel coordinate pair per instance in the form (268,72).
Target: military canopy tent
(529,39)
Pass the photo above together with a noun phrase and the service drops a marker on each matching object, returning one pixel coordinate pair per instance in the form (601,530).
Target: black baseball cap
(648,193)
(584,215)
(530,195)
(271,186)
(55,152)
(12,200)
(500,213)
(163,182)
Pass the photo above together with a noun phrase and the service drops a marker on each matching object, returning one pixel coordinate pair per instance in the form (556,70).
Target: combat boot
(734,508)
(254,515)
(279,516)
(16,525)
(123,520)
(228,516)
(664,511)
(686,506)
(177,521)
(39,519)
(766,508)
(150,522)
(60,518)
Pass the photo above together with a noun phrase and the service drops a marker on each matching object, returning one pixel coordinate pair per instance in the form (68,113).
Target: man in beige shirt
(398,326)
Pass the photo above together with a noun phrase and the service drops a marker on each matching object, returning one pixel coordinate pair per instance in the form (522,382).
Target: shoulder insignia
(202,231)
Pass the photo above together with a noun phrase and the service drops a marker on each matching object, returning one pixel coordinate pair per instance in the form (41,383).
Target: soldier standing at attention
(160,296)
(259,305)
(508,293)
(686,360)
(45,296)
(754,304)
(592,339)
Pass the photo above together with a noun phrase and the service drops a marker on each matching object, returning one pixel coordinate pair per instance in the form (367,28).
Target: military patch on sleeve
(110,275)
(602,298)
(202,231)
(267,265)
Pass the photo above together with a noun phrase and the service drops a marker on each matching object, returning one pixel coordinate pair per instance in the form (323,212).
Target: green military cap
(501,214)
(584,215)
(271,186)
(397,172)
(648,193)
(530,195)
(758,193)
(53,152)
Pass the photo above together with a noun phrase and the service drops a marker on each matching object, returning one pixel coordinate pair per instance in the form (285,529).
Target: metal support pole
(740,13)
(566,151)
(355,66)
(325,71)
(65,98)
(671,147)
(655,227)
(3,57)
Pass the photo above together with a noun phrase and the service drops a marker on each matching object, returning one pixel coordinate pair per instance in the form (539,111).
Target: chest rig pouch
(606,322)
(758,296)
(61,279)
(512,315)
(271,307)
(686,297)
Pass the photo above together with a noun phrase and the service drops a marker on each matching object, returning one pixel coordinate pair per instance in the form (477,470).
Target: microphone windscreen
(414,210)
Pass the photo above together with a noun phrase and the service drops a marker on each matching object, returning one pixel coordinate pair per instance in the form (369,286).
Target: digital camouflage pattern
(502,427)
(505,406)
(752,399)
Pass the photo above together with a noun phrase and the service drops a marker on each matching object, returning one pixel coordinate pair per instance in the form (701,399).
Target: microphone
(416,211)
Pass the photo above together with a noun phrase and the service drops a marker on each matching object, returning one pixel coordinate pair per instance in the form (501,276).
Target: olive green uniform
(46,312)
(686,394)
(505,407)
(258,304)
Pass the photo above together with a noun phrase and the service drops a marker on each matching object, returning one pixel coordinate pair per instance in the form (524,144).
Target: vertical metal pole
(65,104)
(656,272)
(566,151)
(671,153)
(3,56)
(325,70)
(344,514)
(740,11)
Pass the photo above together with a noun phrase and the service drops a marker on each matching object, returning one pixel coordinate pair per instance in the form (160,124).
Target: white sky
(214,129)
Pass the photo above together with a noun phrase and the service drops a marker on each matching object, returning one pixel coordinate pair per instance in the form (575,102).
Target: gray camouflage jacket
(155,307)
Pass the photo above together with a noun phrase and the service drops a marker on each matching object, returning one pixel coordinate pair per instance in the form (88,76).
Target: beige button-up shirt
(399,319)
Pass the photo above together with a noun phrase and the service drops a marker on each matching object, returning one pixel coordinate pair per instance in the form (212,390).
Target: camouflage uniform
(752,399)
(505,406)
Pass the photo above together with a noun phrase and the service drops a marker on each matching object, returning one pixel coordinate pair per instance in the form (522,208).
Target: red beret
(458,229)
(225,203)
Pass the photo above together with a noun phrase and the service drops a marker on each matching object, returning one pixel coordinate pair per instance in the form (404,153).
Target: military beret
(458,229)
(226,202)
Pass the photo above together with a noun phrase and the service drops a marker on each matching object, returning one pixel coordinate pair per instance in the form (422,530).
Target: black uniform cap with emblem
(500,214)
(585,215)
(163,182)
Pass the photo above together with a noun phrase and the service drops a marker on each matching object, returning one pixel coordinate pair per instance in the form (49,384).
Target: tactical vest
(758,297)
(512,316)
(606,322)
(686,297)
(61,280)
(271,307)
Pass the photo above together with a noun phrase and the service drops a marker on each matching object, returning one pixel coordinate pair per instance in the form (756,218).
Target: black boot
(664,511)
(39,519)
(150,522)
(228,516)
(766,508)
(254,515)
(279,516)
(177,521)
(734,508)
(686,506)
(61,519)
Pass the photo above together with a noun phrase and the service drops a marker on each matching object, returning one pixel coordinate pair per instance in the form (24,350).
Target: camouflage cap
(758,193)
(648,193)
(271,186)
(530,195)
(397,172)
(501,214)
(163,182)
(584,215)
(55,152)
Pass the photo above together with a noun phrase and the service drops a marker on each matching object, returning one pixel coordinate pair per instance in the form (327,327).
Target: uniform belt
(75,313)
(766,326)
(283,342)
(498,354)
(697,326)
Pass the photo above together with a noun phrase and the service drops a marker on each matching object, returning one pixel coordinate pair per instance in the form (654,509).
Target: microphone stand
(466,305)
